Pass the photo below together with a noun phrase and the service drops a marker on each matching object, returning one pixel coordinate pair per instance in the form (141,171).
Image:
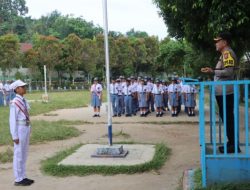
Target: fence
(224,167)
(226,163)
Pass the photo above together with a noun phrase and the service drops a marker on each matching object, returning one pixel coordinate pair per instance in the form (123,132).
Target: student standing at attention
(20,132)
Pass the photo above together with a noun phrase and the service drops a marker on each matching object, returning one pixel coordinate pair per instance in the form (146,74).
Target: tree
(9,52)
(49,52)
(136,34)
(171,57)
(200,21)
(9,10)
(72,54)
(30,59)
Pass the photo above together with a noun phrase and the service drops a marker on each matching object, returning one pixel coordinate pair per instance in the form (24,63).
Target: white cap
(17,83)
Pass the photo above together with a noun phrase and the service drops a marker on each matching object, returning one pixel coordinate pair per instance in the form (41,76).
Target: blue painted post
(202,134)
(213,120)
(210,112)
(224,118)
(246,119)
(236,119)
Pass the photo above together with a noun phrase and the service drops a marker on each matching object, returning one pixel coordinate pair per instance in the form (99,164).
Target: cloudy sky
(123,15)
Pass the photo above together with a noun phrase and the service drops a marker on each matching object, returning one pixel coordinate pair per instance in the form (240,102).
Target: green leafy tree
(72,53)
(9,52)
(200,21)
(49,51)
(136,34)
(9,11)
(171,57)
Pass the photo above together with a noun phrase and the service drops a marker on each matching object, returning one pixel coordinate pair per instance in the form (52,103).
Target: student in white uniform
(158,98)
(20,132)
(96,97)
(1,94)
(7,92)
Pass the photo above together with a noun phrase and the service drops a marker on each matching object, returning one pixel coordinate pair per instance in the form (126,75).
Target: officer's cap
(224,36)
(118,80)
(95,79)
(132,77)
(17,83)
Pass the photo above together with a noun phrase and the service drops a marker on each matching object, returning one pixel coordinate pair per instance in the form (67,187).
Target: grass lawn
(51,167)
(41,130)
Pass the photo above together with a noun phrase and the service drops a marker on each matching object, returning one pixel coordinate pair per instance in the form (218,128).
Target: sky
(123,15)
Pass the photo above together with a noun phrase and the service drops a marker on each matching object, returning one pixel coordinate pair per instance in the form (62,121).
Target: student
(1,94)
(127,91)
(158,98)
(20,132)
(113,95)
(142,97)
(96,97)
(173,97)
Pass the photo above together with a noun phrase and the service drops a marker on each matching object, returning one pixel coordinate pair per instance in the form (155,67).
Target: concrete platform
(138,154)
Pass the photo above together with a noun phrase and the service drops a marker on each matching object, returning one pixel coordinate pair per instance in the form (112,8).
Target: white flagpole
(105,23)
(45,80)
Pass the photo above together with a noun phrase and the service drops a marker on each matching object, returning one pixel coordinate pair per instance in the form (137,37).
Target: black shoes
(24,182)
(230,149)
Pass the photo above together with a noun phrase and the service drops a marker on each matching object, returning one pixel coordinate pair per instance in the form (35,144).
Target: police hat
(128,79)
(118,80)
(96,79)
(132,77)
(224,36)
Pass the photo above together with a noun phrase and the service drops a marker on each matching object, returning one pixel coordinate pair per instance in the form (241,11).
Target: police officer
(223,71)
(20,132)
(96,97)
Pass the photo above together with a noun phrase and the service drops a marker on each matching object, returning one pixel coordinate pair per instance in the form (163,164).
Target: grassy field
(41,130)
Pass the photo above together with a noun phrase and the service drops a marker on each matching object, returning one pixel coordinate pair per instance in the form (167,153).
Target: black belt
(128,95)
(113,94)
(157,94)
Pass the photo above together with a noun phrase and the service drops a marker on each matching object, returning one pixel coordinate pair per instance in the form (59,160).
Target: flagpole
(105,26)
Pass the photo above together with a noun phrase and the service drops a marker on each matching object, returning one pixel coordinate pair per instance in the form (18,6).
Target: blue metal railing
(210,139)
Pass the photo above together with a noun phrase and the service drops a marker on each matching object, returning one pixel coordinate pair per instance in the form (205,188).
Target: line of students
(128,96)
(6,93)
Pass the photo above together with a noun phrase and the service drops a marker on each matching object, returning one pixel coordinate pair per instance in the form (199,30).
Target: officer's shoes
(29,180)
(115,115)
(22,183)
(230,149)
(157,115)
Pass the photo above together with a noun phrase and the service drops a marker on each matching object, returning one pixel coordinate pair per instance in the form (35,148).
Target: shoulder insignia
(228,60)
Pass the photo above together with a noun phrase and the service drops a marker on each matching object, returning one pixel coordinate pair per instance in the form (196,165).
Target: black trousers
(229,116)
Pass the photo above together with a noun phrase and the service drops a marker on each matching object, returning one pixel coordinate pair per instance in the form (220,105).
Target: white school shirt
(157,90)
(127,90)
(119,88)
(172,88)
(113,89)
(97,88)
